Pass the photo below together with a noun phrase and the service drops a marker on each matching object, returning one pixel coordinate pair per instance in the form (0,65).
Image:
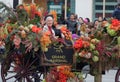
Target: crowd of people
(84,26)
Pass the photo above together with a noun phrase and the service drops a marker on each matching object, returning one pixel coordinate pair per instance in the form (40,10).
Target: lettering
(58,56)
(58,59)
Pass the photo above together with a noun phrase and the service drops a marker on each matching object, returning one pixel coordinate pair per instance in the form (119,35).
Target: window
(111,0)
(98,7)
(109,7)
(106,0)
(99,0)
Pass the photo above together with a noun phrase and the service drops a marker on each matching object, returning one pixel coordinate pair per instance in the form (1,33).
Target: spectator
(96,24)
(80,22)
(87,20)
(72,24)
(116,13)
(100,19)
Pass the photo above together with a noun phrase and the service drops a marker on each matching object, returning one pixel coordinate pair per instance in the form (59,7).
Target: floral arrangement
(113,28)
(67,34)
(87,48)
(26,30)
(32,10)
(101,46)
(59,74)
(113,35)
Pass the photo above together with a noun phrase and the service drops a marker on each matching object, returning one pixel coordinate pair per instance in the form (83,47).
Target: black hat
(48,16)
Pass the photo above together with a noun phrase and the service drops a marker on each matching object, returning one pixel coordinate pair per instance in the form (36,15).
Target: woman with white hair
(49,26)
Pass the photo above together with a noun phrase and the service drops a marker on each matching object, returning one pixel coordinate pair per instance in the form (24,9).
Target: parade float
(27,52)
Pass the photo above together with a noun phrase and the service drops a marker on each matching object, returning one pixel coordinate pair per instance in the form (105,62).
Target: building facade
(103,9)
(83,8)
(95,8)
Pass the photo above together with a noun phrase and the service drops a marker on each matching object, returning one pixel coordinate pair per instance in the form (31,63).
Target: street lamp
(65,14)
(104,1)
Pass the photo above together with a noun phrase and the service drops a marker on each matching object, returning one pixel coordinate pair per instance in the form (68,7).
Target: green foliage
(6,12)
(35,21)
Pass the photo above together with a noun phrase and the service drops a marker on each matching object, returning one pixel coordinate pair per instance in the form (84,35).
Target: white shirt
(45,29)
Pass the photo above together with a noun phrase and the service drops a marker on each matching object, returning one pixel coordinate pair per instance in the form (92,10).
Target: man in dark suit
(116,13)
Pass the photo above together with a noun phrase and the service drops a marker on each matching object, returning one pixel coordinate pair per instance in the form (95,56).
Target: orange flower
(66,32)
(27,8)
(36,29)
(54,13)
(33,10)
(116,28)
(48,33)
(45,41)
(63,28)
(86,44)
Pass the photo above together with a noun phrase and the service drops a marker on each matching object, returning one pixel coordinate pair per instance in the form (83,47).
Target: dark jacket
(72,26)
(116,13)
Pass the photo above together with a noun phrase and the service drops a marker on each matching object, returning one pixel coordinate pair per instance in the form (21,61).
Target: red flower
(78,44)
(38,13)
(36,29)
(62,77)
(115,24)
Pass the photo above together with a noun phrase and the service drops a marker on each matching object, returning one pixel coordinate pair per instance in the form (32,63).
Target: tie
(50,29)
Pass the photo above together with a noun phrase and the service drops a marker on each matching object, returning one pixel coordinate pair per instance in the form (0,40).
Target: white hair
(49,18)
